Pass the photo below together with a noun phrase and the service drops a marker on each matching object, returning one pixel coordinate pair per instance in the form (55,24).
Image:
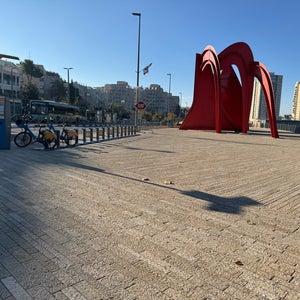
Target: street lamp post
(138,69)
(68,71)
(168,102)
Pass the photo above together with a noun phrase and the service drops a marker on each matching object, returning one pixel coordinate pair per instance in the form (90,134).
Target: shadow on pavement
(232,205)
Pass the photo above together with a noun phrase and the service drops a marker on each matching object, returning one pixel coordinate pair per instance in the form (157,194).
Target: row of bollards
(91,135)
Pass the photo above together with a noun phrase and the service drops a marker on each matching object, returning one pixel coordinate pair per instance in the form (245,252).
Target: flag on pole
(146,69)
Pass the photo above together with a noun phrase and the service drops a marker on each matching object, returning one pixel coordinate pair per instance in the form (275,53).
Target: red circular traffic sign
(140,105)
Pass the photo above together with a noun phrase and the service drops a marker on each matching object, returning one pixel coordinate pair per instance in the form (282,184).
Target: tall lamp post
(168,103)
(138,68)
(68,71)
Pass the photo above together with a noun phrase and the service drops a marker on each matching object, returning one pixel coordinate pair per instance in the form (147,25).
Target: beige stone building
(259,113)
(296,103)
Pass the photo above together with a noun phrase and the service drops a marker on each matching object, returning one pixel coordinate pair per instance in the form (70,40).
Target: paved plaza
(166,214)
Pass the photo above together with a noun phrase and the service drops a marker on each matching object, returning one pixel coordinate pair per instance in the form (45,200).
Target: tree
(31,70)
(122,113)
(157,117)
(147,115)
(30,91)
(177,111)
(58,90)
(73,92)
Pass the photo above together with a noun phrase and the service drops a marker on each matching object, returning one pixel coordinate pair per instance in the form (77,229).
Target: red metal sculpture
(221,100)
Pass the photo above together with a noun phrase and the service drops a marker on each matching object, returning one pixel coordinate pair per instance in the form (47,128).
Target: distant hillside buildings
(155,98)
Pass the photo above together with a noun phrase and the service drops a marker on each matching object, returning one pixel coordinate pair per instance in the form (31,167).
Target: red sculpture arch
(221,101)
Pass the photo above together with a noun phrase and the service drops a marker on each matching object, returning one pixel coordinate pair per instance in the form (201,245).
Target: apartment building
(119,93)
(259,113)
(10,79)
(154,97)
(296,103)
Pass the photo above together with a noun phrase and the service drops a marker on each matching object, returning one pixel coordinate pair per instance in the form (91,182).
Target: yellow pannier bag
(49,135)
(72,133)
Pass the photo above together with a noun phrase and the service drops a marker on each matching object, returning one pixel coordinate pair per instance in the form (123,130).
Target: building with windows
(259,112)
(296,103)
(10,82)
(119,93)
(155,98)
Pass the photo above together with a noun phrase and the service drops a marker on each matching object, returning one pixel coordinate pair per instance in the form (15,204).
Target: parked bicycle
(69,136)
(45,136)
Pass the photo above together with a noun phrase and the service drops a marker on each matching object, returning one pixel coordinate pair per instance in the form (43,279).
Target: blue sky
(99,38)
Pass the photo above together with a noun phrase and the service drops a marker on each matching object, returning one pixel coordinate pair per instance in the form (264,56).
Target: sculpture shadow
(232,205)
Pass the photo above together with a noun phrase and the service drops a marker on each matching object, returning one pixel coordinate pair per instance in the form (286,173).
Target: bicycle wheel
(23,139)
(71,137)
(49,139)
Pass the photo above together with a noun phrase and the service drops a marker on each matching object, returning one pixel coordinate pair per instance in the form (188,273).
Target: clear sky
(98,38)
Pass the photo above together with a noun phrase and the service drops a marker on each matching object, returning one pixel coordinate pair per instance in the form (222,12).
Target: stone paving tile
(4,292)
(40,292)
(15,288)
(167,214)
